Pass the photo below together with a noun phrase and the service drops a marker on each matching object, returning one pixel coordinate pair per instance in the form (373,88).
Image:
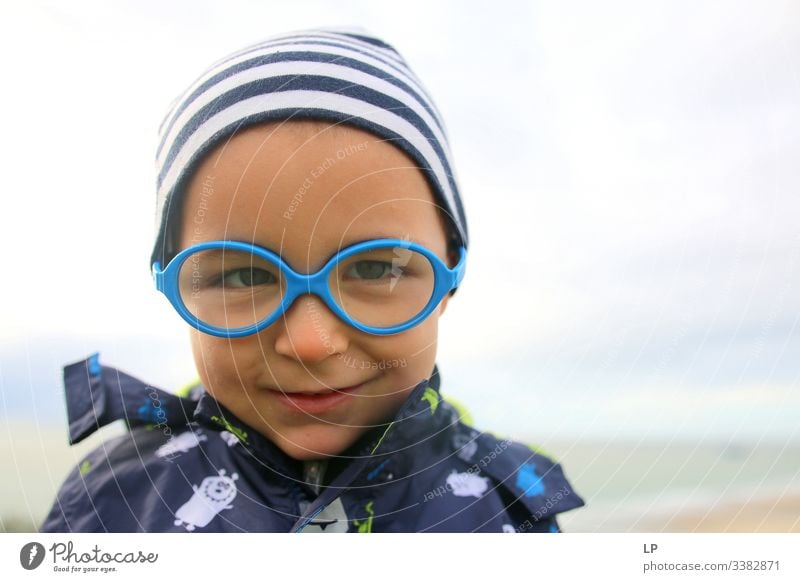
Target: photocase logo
(31,555)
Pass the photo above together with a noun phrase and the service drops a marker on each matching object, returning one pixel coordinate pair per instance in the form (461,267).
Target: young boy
(311,233)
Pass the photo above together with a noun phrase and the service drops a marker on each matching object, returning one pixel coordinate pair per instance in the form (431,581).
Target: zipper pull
(314,473)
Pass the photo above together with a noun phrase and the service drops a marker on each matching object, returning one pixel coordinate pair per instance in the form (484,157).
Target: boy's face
(306,190)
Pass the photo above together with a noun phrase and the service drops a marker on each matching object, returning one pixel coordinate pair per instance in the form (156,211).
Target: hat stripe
(332,78)
(343,41)
(387,56)
(311,43)
(304,51)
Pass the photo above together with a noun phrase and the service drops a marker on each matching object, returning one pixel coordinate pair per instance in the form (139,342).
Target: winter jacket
(188,464)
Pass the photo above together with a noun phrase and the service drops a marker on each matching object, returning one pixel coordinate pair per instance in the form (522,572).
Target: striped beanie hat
(338,75)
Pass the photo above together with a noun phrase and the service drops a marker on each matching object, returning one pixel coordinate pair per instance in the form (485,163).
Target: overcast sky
(629,170)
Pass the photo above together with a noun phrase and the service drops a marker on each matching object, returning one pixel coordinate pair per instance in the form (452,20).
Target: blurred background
(631,179)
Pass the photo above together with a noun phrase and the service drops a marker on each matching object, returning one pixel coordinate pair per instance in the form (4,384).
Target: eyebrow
(220,253)
(356,240)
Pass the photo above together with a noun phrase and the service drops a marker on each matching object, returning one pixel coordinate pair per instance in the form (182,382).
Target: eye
(369,270)
(247,277)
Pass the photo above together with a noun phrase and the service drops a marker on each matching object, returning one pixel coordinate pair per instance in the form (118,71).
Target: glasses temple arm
(460,269)
(158,275)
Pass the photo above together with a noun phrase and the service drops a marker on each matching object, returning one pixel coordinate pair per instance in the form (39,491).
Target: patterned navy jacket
(188,464)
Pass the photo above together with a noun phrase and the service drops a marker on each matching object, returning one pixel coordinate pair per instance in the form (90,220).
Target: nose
(310,332)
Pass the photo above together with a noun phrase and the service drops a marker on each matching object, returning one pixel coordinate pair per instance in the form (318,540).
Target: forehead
(308,188)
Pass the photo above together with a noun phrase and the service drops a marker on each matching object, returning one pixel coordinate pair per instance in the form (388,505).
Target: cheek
(422,338)
(223,365)
(410,354)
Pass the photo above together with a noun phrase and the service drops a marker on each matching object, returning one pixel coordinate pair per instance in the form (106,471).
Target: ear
(452,257)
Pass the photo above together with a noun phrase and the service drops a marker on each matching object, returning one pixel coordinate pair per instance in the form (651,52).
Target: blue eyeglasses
(234,289)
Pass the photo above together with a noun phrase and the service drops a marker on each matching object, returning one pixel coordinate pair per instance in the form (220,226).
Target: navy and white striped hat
(338,75)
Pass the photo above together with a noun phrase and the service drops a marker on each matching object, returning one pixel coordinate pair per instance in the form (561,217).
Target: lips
(315,402)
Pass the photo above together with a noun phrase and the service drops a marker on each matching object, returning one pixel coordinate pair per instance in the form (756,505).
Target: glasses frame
(297,284)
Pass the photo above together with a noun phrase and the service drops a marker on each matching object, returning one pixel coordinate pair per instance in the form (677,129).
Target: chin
(317,443)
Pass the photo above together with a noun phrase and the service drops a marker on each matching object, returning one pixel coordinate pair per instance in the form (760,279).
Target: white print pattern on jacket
(228,437)
(180,443)
(467,484)
(214,494)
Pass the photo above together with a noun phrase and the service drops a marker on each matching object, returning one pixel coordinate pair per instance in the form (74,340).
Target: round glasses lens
(383,287)
(230,289)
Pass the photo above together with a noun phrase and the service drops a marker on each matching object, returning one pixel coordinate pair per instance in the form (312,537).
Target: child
(311,233)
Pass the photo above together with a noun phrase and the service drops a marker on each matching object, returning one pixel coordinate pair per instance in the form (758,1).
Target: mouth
(316,402)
